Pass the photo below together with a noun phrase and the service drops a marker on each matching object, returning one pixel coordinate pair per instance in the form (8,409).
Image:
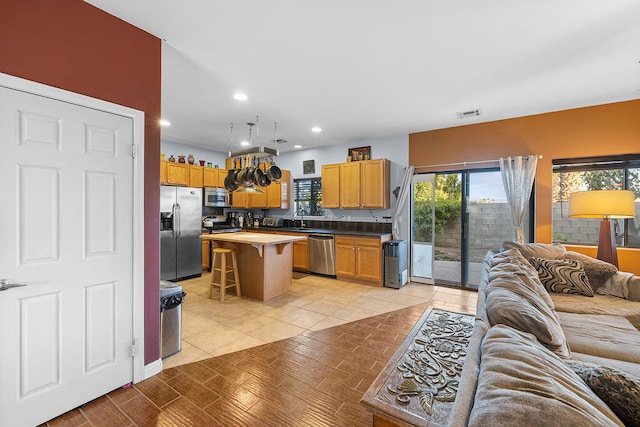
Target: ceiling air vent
(466,114)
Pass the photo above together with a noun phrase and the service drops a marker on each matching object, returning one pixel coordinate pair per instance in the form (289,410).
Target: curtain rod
(464,163)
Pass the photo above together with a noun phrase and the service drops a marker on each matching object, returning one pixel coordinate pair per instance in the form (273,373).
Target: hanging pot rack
(250,167)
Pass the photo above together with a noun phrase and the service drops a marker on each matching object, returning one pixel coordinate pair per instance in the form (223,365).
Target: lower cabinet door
(368,260)
(345,260)
(301,256)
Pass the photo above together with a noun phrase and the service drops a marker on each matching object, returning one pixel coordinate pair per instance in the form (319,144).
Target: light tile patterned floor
(313,302)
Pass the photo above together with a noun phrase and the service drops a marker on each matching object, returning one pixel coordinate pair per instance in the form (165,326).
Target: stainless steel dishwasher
(322,254)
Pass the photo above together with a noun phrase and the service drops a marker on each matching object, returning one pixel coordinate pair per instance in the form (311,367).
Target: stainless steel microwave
(216,197)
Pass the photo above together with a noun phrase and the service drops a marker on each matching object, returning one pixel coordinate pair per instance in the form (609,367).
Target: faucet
(301,213)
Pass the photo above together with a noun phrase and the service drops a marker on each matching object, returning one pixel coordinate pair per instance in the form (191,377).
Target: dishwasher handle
(321,236)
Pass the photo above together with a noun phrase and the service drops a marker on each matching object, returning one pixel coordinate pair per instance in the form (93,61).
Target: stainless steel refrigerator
(180,228)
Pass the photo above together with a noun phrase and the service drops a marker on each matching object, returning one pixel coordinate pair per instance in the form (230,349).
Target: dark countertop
(319,231)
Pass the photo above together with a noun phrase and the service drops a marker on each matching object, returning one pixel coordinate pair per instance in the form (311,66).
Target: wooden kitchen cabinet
(359,258)
(331,186)
(360,185)
(206,254)
(279,193)
(374,183)
(195,176)
(177,174)
(163,172)
(350,183)
(213,177)
(301,255)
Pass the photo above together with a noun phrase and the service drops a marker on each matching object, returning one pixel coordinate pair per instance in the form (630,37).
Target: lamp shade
(602,204)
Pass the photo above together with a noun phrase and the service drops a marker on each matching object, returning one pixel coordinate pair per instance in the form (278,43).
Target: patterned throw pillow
(620,391)
(563,276)
(597,271)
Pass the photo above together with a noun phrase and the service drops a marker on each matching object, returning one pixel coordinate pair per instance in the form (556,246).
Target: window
(308,196)
(602,173)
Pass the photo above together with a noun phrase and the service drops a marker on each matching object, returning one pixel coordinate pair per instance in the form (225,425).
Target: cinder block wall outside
(490,224)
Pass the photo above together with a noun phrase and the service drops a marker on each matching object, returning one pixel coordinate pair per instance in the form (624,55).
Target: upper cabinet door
(375,184)
(331,186)
(350,186)
(211,178)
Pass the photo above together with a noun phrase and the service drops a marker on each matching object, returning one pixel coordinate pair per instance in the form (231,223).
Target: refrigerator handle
(174,220)
(179,225)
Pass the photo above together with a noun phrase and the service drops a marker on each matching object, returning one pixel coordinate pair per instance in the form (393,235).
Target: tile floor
(330,339)
(313,302)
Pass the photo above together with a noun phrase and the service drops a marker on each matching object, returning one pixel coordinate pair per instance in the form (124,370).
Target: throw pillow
(536,250)
(597,271)
(563,276)
(619,390)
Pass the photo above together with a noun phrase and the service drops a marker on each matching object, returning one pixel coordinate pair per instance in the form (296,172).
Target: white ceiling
(365,69)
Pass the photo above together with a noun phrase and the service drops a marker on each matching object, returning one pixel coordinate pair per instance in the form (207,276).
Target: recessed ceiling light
(245,143)
(316,129)
(240,96)
(297,146)
(164,122)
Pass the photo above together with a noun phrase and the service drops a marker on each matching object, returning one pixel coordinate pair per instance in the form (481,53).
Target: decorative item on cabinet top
(359,153)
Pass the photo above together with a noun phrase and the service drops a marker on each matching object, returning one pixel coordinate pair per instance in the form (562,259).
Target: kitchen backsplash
(370,227)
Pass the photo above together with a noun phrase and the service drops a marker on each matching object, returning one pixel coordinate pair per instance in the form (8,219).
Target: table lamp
(603,204)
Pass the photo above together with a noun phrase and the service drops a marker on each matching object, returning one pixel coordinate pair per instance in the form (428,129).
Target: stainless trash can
(171,298)
(395,263)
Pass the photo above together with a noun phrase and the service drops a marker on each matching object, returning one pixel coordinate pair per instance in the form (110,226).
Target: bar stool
(223,269)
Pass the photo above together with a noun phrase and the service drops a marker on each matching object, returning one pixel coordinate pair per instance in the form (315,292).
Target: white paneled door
(66,233)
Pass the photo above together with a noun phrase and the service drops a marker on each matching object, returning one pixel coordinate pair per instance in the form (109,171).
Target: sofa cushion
(511,303)
(562,276)
(523,383)
(619,390)
(601,335)
(537,250)
(599,304)
(596,270)
(511,262)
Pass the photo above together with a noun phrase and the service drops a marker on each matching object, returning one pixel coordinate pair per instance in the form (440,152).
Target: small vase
(181,159)
(201,162)
(191,159)
(161,156)
(172,159)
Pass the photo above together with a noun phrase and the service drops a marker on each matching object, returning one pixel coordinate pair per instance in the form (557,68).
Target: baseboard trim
(152,369)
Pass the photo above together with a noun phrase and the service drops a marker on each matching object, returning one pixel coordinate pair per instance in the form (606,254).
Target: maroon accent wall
(74,46)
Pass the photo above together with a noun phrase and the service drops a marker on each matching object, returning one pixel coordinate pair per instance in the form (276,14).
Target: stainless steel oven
(216,197)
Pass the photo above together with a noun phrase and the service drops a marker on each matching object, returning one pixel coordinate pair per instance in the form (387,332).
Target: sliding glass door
(456,218)
(422,196)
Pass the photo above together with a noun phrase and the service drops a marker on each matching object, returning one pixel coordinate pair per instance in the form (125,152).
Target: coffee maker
(249,219)
(232,219)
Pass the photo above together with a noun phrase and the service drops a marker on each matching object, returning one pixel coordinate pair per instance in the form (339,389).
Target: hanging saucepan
(233,172)
(248,177)
(274,173)
(259,178)
(241,177)
(229,184)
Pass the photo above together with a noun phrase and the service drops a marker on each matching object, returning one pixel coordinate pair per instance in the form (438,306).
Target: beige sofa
(533,350)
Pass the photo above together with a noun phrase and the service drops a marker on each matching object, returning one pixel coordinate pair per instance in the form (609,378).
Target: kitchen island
(264,261)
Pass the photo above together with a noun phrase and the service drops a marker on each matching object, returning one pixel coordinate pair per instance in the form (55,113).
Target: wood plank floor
(313,379)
